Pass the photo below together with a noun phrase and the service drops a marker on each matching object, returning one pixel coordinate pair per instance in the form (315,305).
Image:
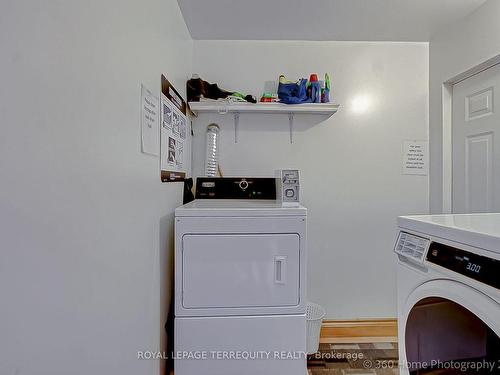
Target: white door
(476,143)
(240,270)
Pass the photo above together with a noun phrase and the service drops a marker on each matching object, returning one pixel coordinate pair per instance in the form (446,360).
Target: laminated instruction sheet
(173,134)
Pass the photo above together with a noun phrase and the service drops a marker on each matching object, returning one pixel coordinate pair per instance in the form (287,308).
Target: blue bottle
(315,89)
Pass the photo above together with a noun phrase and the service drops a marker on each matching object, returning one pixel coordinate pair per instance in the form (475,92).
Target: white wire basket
(314,318)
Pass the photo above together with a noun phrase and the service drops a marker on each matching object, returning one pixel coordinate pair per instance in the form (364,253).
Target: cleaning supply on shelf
(321,91)
(315,92)
(266,98)
(325,94)
(303,91)
(270,92)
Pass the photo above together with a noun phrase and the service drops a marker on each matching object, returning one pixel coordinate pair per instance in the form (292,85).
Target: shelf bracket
(236,125)
(290,125)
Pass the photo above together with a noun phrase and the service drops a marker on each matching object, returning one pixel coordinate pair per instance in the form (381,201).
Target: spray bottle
(325,93)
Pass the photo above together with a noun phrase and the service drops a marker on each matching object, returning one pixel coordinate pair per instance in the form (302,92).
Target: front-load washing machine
(449,294)
(240,281)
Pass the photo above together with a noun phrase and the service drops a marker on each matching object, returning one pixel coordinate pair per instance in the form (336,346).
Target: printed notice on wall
(416,158)
(173,135)
(149,122)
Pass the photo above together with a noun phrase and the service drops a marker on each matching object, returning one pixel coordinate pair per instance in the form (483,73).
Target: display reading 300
(478,267)
(473,267)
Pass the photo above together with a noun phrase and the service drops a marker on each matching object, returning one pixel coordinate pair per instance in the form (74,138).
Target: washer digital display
(477,267)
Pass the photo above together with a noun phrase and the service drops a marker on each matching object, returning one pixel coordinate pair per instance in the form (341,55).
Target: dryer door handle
(280,269)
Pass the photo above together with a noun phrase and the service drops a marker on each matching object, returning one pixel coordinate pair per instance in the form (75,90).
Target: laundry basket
(314,317)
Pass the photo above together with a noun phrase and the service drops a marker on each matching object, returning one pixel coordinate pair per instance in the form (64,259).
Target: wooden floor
(370,356)
(359,331)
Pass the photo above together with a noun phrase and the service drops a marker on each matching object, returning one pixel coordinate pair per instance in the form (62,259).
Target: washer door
(451,327)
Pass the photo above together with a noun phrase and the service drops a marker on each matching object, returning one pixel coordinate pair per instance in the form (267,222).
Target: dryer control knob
(243,184)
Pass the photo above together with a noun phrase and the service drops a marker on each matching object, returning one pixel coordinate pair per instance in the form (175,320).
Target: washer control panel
(478,267)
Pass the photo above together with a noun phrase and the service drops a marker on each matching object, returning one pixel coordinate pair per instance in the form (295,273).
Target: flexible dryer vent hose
(212,151)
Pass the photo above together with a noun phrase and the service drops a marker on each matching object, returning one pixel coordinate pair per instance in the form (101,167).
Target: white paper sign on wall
(416,158)
(149,122)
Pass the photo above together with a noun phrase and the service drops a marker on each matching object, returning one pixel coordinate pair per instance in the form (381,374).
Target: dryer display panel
(477,267)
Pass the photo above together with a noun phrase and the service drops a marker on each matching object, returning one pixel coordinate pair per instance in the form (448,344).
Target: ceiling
(349,20)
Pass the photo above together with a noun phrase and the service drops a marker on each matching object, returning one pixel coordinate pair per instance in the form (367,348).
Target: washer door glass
(443,337)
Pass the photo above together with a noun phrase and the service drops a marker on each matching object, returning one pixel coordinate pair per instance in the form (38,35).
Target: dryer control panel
(235,188)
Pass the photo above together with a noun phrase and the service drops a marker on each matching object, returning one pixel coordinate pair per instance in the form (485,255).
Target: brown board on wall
(172,94)
(173,133)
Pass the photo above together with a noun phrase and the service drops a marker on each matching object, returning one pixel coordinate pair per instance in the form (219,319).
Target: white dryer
(449,294)
(240,272)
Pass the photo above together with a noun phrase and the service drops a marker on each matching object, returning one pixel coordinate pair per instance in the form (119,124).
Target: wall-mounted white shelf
(236,108)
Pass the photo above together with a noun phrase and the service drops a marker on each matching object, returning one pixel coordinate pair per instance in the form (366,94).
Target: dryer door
(231,271)
(450,327)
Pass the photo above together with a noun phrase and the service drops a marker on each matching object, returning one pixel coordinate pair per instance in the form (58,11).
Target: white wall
(350,164)
(85,224)
(454,50)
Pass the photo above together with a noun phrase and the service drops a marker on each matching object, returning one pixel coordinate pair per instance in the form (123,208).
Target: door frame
(447,126)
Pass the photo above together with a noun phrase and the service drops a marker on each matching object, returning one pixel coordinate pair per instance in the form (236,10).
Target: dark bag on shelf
(293,93)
